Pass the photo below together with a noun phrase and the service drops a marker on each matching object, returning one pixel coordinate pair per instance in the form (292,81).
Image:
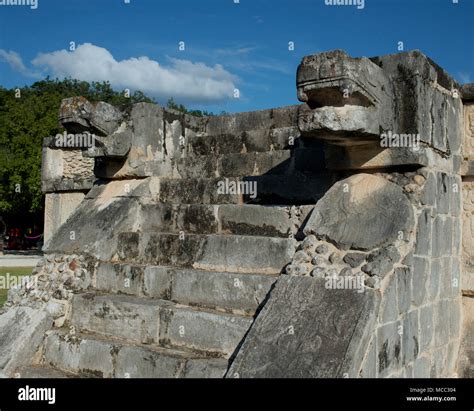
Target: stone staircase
(158,274)
(181,292)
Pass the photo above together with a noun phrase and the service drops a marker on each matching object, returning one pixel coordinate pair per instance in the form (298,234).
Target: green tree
(171,104)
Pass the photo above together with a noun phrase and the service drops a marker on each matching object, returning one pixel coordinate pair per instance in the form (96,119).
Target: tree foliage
(171,104)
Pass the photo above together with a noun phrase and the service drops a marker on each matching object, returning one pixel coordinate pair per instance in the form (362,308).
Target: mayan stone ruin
(333,238)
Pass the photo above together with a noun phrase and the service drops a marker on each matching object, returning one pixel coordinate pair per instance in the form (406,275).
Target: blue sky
(227,45)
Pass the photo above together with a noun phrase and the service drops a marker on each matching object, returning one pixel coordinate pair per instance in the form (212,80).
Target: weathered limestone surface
(417,273)
(307,331)
(344,95)
(232,292)
(466,367)
(468,237)
(58,208)
(94,226)
(66,175)
(32,309)
(428,99)
(287,242)
(466,361)
(22,331)
(362,212)
(348,102)
(77,114)
(65,170)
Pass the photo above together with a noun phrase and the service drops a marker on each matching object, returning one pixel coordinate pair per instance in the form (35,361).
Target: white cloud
(182,79)
(15,61)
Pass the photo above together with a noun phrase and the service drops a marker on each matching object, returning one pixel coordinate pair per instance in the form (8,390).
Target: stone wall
(466,362)
(413,304)
(468,236)
(468,198)
(410,321)
(66,175)
(375,287)
(468,135)
(418,332)
(58,207)
(65,169)
(76,166)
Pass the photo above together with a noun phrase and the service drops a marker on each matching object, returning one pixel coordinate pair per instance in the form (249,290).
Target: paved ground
(15,260)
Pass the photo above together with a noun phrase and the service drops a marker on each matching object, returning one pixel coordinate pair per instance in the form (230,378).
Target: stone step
(231,292)
(159,323)
(229,253)
(279,162)
(91,355)
(245,219)
(42,371)
(298,188)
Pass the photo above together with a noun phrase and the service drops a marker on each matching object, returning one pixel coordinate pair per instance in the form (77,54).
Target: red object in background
(14,240)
